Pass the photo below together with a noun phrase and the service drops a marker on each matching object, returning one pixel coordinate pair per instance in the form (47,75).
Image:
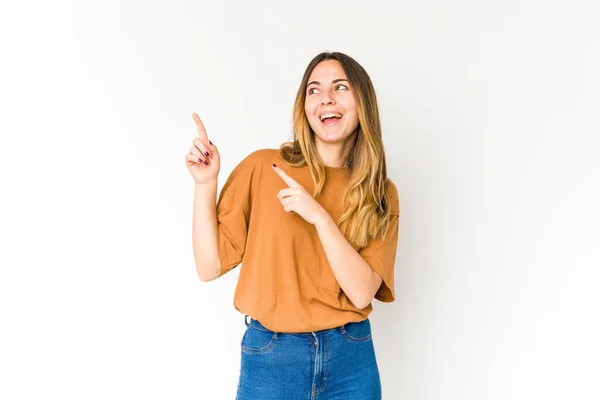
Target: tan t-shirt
(285,280)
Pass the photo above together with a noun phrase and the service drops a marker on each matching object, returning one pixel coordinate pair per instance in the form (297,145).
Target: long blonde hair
(366,201)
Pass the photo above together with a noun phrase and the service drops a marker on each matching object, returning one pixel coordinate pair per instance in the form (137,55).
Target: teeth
(330,115)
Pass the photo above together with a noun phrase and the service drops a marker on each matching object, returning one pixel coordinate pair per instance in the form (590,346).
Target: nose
(326,98)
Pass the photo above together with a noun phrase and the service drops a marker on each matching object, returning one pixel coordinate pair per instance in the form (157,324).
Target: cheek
(311,122)
(348,102)
(354,122)
(308,112)
(351,111)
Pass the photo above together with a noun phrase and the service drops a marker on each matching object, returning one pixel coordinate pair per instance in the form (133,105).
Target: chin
(331,137)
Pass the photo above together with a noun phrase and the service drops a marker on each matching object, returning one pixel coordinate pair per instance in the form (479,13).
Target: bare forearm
(204,231)
(355,276)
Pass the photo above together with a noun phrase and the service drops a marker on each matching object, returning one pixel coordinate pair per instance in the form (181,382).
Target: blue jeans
(331,364)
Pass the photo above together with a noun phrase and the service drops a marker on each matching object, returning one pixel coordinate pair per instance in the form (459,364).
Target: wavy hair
(366,201)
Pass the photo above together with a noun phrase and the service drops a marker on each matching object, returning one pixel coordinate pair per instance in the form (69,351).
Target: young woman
(315,224)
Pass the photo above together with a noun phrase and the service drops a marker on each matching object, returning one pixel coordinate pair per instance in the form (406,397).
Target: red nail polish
(274,165)
(199,160)
(209,142)
(205,162)
(206,153)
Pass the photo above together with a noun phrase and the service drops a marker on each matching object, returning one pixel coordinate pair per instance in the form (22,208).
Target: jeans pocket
(258,341)
(357,332)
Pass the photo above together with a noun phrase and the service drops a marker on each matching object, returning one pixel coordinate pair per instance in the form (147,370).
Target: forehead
(326,71)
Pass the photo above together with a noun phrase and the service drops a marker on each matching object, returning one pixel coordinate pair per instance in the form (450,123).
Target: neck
(334,154)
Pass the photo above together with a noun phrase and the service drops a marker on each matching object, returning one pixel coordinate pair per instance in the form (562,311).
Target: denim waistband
(256,324)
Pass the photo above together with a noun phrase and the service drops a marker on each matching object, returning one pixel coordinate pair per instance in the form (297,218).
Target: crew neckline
(336,170)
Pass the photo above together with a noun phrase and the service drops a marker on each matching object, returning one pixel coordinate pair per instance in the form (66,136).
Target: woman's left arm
(355,276)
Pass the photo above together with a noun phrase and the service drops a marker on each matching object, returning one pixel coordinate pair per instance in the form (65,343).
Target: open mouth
(330,119)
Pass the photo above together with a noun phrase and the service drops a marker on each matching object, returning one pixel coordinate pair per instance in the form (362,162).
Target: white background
(490,114)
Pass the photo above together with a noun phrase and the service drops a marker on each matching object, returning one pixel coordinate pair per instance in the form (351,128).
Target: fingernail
(274,165)
(209,142)
(199,160)
(205,162)
(206,153)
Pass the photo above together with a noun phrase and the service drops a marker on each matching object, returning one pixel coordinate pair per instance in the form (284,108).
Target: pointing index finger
(286,178)
(200,126)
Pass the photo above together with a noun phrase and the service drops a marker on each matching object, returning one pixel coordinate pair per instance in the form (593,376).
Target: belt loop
(246,320)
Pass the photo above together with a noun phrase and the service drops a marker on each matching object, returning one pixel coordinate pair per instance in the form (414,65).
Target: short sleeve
(380,252)
(233,215)
(232,222)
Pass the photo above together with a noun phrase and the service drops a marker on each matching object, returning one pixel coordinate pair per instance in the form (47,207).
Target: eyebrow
(333,81)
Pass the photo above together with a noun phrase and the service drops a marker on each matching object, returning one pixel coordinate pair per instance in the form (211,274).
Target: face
(330,106)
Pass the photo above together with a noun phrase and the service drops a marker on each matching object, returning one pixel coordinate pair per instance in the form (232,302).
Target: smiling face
(330,106)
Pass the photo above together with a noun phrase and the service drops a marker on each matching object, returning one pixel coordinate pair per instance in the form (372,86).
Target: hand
(203,160)
(296,199)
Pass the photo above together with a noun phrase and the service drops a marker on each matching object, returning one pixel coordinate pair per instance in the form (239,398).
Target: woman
(316,226)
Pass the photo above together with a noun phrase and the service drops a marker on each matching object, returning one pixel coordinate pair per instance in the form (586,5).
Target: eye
(310,91)
(342,85)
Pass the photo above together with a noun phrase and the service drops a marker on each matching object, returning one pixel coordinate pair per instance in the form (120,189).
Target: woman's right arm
(203,162)
(204,231)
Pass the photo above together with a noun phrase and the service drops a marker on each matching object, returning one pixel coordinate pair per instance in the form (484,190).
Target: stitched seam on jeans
(361,339)
(262,349)
(325,352)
